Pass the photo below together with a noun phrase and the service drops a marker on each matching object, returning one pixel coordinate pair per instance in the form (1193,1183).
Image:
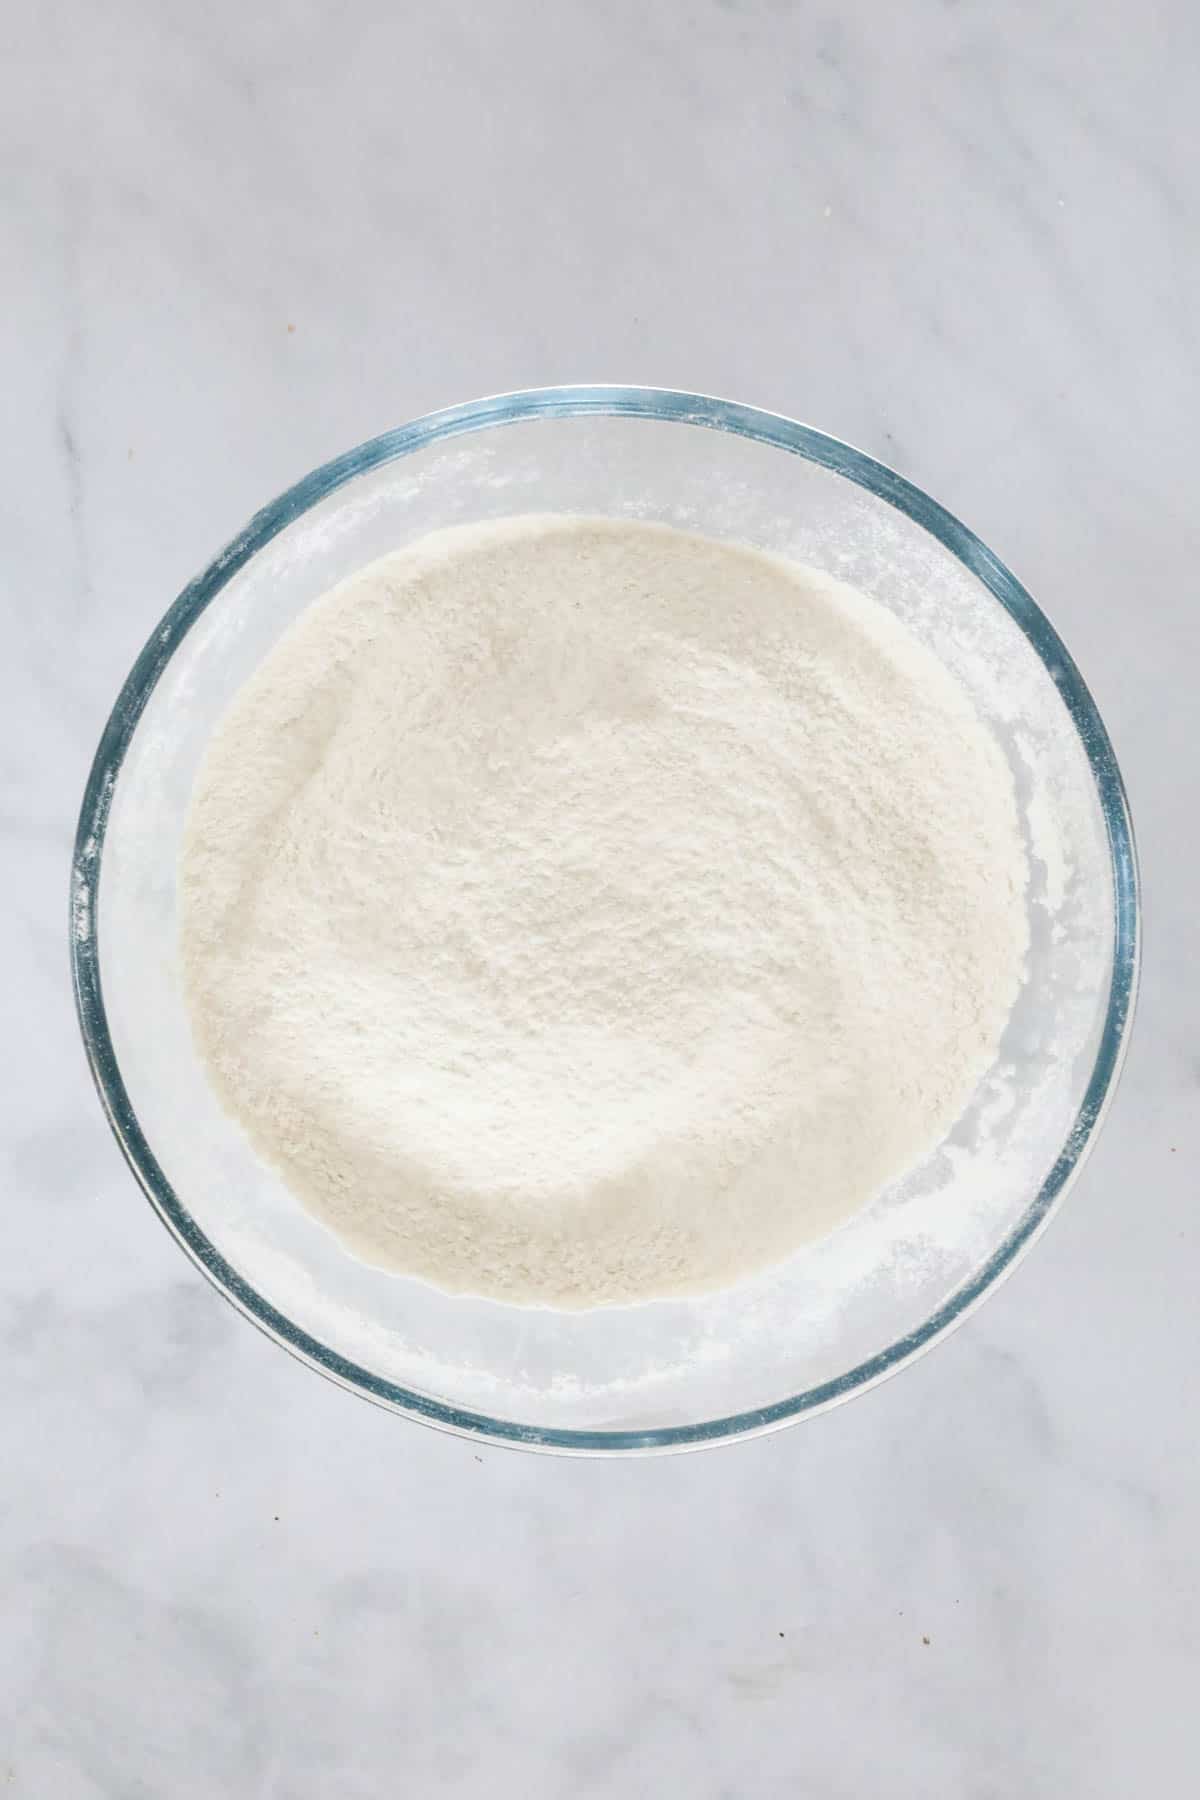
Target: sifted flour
(578,911)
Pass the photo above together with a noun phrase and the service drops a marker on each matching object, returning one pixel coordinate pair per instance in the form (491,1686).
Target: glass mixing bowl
(840,1314)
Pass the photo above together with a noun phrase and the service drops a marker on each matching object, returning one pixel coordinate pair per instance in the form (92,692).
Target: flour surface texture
(577,911)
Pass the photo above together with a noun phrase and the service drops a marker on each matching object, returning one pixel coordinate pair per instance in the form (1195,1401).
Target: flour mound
(577,911)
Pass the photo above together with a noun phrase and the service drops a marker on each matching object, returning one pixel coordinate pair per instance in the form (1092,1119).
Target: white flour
(577,911)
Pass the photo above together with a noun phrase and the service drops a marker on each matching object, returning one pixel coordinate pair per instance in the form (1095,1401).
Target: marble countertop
(239,239)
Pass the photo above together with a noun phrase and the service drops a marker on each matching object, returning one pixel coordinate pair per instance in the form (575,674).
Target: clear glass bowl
(839,1315)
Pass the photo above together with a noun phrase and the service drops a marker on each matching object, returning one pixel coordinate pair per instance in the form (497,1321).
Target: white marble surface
(239,238)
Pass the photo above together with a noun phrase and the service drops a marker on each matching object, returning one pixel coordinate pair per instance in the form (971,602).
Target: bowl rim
(710,413)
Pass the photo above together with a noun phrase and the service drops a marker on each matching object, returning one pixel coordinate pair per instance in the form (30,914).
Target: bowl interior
(839,1313)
